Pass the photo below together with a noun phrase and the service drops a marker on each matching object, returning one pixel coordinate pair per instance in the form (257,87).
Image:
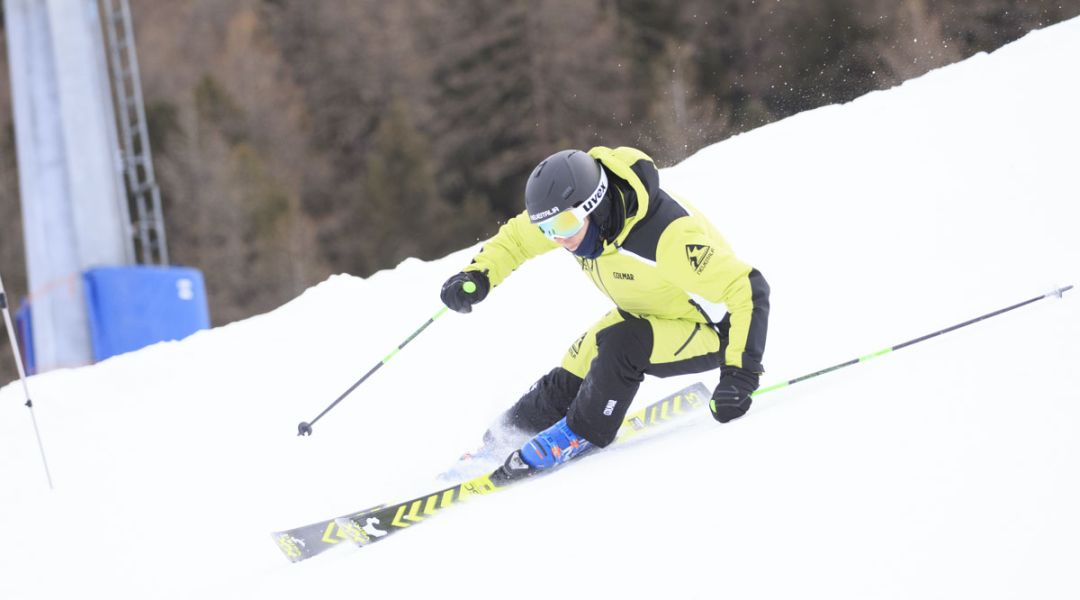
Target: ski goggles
(567,223)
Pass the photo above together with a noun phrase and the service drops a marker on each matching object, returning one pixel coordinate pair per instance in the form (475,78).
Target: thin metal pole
(305,427)
(22,377)
(1054,294)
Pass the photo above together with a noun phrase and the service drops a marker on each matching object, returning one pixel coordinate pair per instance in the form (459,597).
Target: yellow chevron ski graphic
(429,506)
(398,522)
(447,499)
(328,535)
(414,511)
(368,526)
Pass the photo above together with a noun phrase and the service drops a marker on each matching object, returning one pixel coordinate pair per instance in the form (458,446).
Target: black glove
(454,294)
(731,399)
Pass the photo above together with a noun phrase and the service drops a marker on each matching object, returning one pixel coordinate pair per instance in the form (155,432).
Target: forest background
(295,139)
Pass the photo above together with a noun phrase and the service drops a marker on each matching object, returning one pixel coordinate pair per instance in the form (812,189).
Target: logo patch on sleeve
(699,256)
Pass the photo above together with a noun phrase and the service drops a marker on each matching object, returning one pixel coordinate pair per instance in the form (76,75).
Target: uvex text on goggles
(566,223)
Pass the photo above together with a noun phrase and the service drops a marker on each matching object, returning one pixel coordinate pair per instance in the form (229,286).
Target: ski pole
(22,377)
(1055,293)
(305,427)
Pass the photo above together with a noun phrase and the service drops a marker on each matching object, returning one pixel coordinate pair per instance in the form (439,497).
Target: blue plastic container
(132,307)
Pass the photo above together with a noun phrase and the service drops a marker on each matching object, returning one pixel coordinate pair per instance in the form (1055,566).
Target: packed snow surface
(949,469)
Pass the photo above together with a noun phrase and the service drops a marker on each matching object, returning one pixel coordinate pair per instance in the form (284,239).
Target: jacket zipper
(600,280)
(697,327)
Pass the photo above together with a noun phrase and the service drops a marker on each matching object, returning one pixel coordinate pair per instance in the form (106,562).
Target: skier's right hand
(459,295)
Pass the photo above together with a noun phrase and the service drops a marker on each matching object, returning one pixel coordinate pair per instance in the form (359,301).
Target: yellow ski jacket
(666,261)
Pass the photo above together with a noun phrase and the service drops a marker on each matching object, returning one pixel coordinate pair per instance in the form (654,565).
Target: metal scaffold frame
(143,190)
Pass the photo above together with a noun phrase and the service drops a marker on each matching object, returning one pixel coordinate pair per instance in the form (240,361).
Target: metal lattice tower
(142,187)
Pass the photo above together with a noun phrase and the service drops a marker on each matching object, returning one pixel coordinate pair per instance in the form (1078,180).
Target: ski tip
(291,547)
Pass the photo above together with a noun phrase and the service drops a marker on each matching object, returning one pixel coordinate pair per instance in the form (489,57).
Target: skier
(669,273)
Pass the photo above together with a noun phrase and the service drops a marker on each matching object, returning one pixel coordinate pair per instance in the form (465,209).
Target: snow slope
(945,470)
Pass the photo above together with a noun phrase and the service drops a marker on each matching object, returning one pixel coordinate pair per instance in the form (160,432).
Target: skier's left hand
(731,399)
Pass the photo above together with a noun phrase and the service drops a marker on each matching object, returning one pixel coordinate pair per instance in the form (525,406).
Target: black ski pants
(601,372)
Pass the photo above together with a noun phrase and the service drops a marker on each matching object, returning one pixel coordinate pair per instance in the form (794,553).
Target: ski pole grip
(469,287)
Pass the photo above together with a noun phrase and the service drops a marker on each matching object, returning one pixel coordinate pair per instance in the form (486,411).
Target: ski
(300,543)
(374,524)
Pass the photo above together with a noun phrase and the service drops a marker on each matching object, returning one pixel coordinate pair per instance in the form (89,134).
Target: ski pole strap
(1057,293)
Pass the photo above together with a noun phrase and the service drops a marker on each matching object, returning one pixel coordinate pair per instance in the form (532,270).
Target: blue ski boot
(549,448)
(553,446)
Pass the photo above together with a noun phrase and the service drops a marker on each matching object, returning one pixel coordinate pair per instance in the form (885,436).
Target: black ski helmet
(562,181)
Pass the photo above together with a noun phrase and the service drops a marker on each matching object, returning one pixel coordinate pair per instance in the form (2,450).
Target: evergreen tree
(399,213)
